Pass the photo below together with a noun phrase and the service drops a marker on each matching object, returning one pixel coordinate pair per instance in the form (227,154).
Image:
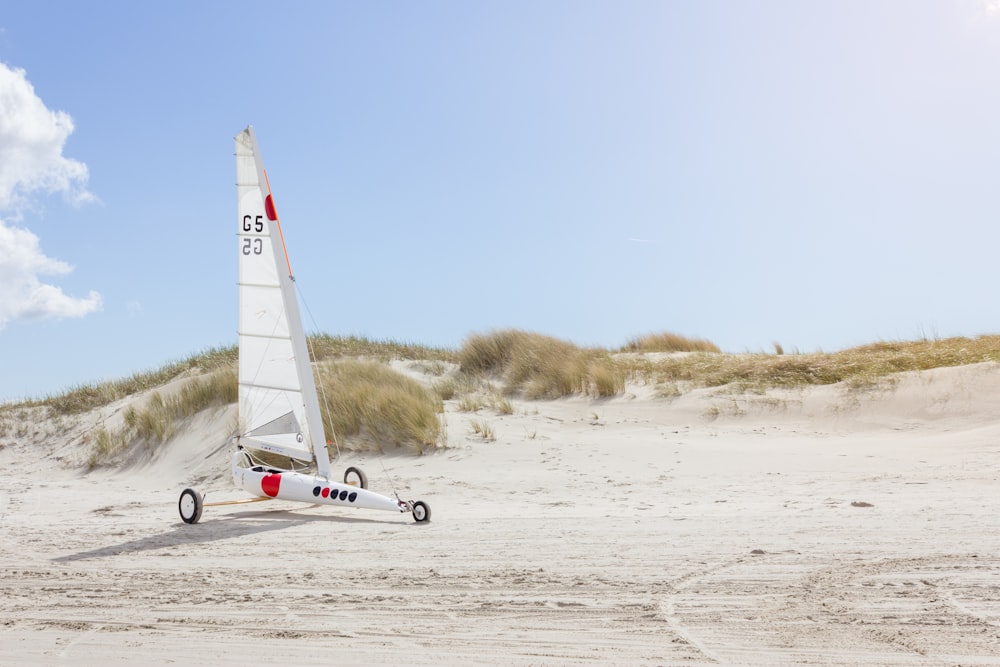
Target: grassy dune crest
(857,367)
(159,418)
(87,397)
(370,405)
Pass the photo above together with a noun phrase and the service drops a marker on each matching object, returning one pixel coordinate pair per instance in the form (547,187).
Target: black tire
(190,505)
(356,477)
(421,512)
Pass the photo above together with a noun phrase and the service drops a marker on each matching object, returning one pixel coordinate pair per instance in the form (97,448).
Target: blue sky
(822,174)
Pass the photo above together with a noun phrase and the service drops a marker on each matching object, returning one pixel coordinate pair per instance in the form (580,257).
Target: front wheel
(356,477)
(190,506)
(421,512)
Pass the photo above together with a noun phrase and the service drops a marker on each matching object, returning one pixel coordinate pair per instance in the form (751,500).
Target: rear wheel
(421,512)
(356,477)
(190,506)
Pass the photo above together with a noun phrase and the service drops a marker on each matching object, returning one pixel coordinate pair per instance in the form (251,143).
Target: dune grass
(488,398)
(369,405)
(159,418)
(323,347)
(669,342)
(484,430)
(87,397)
(540,366)
(858,367)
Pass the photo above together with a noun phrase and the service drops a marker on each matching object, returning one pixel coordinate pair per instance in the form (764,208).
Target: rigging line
(322,385)
(326,402)
(389,477)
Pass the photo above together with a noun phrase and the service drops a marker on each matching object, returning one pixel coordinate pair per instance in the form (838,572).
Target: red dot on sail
(269,208)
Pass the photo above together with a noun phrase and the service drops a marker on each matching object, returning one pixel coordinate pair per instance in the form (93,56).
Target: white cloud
(32,163)
(22,294)
(31,143)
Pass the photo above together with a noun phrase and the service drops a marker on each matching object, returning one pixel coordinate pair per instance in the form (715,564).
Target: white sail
(279,410)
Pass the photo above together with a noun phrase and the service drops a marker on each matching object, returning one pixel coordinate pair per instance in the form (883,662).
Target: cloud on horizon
(32,164)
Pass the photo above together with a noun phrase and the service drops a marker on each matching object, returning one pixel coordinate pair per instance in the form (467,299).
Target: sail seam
(256,385)
(264,336)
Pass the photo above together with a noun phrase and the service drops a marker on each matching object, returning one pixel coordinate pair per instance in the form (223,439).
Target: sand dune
(822,526)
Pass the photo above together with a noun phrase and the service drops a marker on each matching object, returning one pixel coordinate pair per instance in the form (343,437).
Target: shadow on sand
(230,526)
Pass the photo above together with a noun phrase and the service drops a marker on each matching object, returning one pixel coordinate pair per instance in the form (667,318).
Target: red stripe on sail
(269,208)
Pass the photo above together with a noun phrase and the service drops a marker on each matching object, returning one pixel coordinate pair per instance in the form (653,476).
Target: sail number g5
(253,224)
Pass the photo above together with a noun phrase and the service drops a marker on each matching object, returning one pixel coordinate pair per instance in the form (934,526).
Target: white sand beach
(825,526)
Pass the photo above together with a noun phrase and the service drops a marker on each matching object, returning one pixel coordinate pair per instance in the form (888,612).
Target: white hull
(286,485)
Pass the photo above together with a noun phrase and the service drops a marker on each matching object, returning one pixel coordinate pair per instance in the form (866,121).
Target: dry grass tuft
(373,405)
(158,420)
(324,347)
(541,366)
(456,385)
(669,342)
(484,430)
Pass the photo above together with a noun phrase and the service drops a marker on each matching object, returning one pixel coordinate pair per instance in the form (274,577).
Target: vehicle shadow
(232,525)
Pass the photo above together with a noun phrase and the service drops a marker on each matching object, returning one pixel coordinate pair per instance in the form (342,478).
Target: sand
(823,527)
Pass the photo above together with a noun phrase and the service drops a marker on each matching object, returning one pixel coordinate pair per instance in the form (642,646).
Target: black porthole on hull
(343,495)
(316,491)
(353,496)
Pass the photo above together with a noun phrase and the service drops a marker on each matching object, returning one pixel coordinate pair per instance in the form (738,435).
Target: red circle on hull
(270,485)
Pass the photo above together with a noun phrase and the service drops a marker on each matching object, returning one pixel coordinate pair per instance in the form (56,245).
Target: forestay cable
(322,385)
